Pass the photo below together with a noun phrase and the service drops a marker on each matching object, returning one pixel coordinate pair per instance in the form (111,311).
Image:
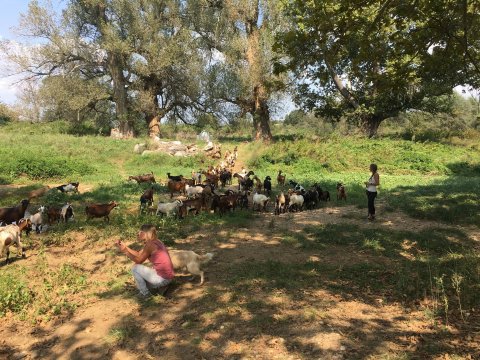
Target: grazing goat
(175,178)
(168,208)
(267,185)
(66,213)
(13,214)
(260,200)
(176,186)
(100,210)
(297,187)
(211,178)
(66,188)
(341,192)
(146,199)
(143,178)
(9,235)
(296,202)
(243,200)
(224,203)
(280,178)
(311,198)
(38,192)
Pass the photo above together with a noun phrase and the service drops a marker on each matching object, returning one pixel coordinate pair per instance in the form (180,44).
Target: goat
(323,195)
(211,178)
(341,193)
(224,203)
(146,199)
(143,178)
(192,191)
(267,185)
(190,204)
(280,178)
(258,184)
(197,177)
(281,203)
(13,214)
(38,192)
(100,210)
(66,213)
(260,200)
(168,208)
(243,200)
(311,198)
(53,214)
(225,177)
(37,219)
(296,201)
(297,187)
(9,235)
(176,186)
(66,188)
(175,178)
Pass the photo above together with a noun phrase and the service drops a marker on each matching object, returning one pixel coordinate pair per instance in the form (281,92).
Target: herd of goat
(209,190)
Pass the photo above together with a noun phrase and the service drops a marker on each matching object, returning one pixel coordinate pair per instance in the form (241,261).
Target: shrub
(14,294)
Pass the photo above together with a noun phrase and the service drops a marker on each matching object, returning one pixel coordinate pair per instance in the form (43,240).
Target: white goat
(297,201)
(9,235)
(37,219)
(191,191)
(168,208)
(66,212)
(260,200)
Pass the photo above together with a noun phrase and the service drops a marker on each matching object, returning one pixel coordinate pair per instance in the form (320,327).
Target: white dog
(186,259)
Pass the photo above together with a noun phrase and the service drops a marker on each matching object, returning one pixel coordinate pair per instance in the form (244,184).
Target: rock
(208,147)
(204,135)
(180,154)
(139,148)
(148,152)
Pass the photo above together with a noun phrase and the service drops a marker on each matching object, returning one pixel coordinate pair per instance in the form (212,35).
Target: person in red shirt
(162,272)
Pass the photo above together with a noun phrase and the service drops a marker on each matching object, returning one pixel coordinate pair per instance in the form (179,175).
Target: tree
(368,63)
(240,36)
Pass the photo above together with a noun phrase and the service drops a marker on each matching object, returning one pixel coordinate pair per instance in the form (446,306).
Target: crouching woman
(154,250)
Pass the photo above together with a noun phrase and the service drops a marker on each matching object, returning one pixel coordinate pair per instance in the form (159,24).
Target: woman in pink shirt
(162,272)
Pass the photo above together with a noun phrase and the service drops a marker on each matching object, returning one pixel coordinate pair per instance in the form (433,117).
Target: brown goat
(147,198)
(53,214)
(143,178)
(100,210)
(190,204)
(176,186)
(280,178)
(13,214)
(341,193)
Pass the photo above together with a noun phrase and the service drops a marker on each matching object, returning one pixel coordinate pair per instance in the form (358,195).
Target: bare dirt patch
(245,310)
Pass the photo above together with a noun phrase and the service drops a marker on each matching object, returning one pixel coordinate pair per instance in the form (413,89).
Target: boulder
(139,148)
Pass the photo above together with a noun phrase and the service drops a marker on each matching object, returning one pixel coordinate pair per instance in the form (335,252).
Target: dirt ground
(216,322)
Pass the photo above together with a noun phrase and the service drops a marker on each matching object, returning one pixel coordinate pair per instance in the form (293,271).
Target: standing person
(371,185)
(154,250)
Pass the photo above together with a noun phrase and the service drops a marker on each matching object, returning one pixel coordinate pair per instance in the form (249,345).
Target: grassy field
(317,284)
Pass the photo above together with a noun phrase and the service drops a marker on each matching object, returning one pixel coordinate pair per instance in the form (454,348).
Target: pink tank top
(161,261)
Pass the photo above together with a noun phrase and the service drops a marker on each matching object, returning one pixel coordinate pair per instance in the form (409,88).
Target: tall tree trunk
(261,117)
(371,124)
(120,96)
(115,65)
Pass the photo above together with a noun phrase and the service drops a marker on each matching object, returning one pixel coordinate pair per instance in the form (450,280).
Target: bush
(14,294)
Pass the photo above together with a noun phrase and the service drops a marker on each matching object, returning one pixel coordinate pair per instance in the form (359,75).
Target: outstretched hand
(120,245)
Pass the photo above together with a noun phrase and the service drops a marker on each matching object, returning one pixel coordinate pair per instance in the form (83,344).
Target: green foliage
(15,296)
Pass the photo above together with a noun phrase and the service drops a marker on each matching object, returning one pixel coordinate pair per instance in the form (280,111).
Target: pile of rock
(174,148)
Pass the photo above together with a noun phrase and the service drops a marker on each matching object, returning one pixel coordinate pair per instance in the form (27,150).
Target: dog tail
(205,258)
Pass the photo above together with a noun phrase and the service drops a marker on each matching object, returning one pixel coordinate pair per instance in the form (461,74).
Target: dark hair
(373,167)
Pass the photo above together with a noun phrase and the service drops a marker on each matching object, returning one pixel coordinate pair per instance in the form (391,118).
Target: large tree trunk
(371,124)
(261,117)
(153,123)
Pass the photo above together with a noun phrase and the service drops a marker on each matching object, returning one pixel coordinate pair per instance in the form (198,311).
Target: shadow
(454,200)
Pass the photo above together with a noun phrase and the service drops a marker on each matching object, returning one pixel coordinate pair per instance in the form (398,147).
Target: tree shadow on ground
(253,306)
(454,200)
